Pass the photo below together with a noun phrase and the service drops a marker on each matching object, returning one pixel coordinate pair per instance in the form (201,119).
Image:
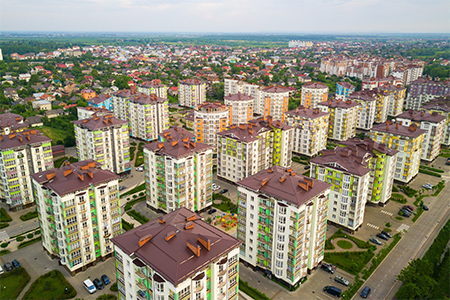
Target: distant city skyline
(233,16)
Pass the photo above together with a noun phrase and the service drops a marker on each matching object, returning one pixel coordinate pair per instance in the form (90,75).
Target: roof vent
(204,241)
(50,175)
(264,182)
(81,176)
(194,247)
(270,170)
(90,174)
(282,178)
(144,239)
(68,172)
(189,225)
(293,173)
(191,218)
(170,235)
(161,220)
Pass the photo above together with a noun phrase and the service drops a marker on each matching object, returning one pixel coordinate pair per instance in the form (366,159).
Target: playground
(227,221)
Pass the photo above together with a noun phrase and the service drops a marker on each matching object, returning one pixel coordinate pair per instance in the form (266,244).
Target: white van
(89,285)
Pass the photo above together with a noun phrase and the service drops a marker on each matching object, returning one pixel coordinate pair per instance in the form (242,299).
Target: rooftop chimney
(144,239)
(194,247)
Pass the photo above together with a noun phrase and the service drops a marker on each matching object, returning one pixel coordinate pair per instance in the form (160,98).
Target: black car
(223,191)
(98,284)
(307,167)
(8,267)
(386,234)
(328,267)
(15,263)
(425,207)
(382,236)
(211,211)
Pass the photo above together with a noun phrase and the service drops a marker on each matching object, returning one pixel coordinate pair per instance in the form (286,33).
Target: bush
(352,289)
(399,218)
(398,198)
(127,226)
(114,287)
(29,216)
(432,169)
(24,244)
(4,252)
(351,262)
(51,285)
(429,173)
(137,216)
(30,235)
(4,245)
(37,232)
(134,190)
(439,187)
(141,194)
(388,224)
(409,191)
(107,297)
(252,292)
(20,238)
(395,189)
(3,225)
(4,217)
(131,203)
(400,213)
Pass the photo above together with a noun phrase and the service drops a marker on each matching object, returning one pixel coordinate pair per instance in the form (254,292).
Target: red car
(408,207)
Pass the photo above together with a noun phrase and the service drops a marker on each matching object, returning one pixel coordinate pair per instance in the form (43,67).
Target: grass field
(53,133)
(4,216)
(52,285)
(351,262)
(13,282)
(344,244)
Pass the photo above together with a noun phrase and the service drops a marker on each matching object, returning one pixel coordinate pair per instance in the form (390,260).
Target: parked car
(215,187)
(15,263)
(341,280)
(427,186)
(365,292)
(328,267)
(375,241)
(332,290)
(382,236)
(307,167)
(89,286)
(140,169)
(8,267)
(386,234)
(1,270)
(121,188)
(408,207)
(223,191)
(98,284)
(425,207)
(447,163)
(406,213)
(105,279)
(211,211)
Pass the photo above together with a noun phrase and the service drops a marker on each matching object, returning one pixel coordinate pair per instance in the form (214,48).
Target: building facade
(90,112)
(434,124)
(21,154)
(396,98)
(10,123)
(152,87)
(310,130)
(349,174)
(105,140)
(407,140)
(423,90)
(79,212)
(178,256)
(102,101)
(273,101)
(191,92)
(313,93)
(209,119)
(246,149)
(343,118)
(366,110)
(178,173)
(282,222)
(440,105)
(343,90)
(241,106)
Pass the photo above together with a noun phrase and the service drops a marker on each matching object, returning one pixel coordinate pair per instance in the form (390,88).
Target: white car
(1,270)
(140,169)
(89,285)
(215,187)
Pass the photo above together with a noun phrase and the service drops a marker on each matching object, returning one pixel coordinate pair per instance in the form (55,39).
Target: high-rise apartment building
(102,101)
(241,106)
(21,154)
(90,112)
(349,174)
(79,212)
(433,124)
(178,256)
(273,101)
(10,122)
(344,89)
(234,86)
(374,83)
(282,222)
(343,118)
(178,173)
(381,161)
(366,110)
(313,93)
(423,90)
(176,133)
(396,98)
(153,87)
(407,140)
(310,129)
(105,140)
(209,119)
(440,105)
(249,148)
(147,115)
(191,92)
(408,73)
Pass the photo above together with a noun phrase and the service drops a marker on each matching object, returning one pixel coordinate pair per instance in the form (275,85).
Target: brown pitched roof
(275,89)
(175,133)
(346,85)
(167,244)
(211,107)
(20,139)
(191,82)
(369,145)
(315,85)
(302,111)
(100,99)
(99,122)
(418,116)
(397,129)
(333,103)
(177,149)
(238,97)
(11,120)
(285,184)
(365,95)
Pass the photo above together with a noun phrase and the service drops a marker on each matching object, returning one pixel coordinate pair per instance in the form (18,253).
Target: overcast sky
(291,16)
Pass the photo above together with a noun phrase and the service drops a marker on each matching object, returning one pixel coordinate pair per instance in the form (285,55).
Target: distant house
(58,151)
(53,113)
(35,121)
(173,91)
(42,105)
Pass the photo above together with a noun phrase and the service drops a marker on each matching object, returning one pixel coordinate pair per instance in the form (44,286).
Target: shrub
(252,292)
(30,235)
(127,226)
(141,194)
(3,225)
(37,232)
(131,203)
(430,173)
(20,238)
(432,169)
(114,287)
(4,217)
(29,216)
(137,216)
(399,218)
(395,189)
(134,196)
(24,244)
(388,224)
(4,245)
(409,191)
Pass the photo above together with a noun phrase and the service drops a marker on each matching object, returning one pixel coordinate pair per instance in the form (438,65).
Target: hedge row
(430,173)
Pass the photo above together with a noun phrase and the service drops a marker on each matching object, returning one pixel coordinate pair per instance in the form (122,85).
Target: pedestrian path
(387,213)
(373,226)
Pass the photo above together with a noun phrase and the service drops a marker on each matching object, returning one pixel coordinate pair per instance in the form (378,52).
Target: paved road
(421,234)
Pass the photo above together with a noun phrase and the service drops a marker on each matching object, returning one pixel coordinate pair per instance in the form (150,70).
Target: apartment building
(90,112)
(233,86)
(102,101)
(153,87)
(366,110)
(434,125)
(241,106)
(88,94)
(396,98)
(176,133)
(21,154)
(343,90)
(408,73)
(349,174)
(79,212)
(178,256)
(374,83)
(343,118)
(407,140)
(273,101)
(105,140)
(10,122)
(313,93)
(381,163)
(178,173)
(191,92)
(282,222)
(310,129)
(147,115)
(209,119)
(440,105)
(423,90)
(246,149)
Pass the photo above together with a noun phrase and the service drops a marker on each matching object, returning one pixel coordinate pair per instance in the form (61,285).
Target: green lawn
(344,244)
(52,285)
(4,217)
(12,283)
(134,190)
(53,133)
(351,262)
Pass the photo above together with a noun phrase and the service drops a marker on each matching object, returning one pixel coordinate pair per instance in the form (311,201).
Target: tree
(34,79)
(122,82)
